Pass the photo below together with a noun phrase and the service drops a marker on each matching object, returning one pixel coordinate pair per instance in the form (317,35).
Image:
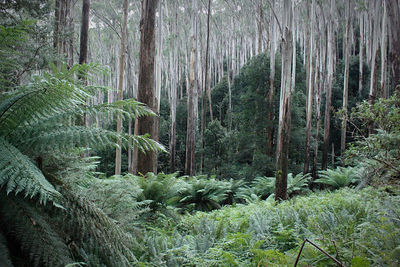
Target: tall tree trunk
(83,51)
(361,52)
(282,148)
(205,87)
(346,52)
(393,10)
(191,126)
(270,127)
(374,66)
(383,85)
(259,26)
(310,71)
(330,68)
(174,94)
(121,86)
(147,162)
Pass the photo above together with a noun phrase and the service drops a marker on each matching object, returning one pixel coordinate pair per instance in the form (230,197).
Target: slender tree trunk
(121,86)
(284,106)
(191,126)
(270,127)
(259,26)
(330,69)
(147,162)
(205,88)
(361,53)
(174,94)
(310,80)
(383,86)
(83,51)
(346,52)
(374,61)
(393,9)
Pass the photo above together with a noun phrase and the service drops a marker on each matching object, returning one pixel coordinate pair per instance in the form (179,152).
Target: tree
(346,52)
(282,148)
(83,51)
(147,162)
(191,119)
(393,9)
(121,85)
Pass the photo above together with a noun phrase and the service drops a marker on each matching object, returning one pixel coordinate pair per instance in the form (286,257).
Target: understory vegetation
(71,195)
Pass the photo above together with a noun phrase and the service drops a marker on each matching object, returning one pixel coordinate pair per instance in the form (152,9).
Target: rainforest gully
(199,133)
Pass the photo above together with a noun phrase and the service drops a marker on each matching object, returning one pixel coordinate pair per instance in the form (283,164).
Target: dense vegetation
(63,202)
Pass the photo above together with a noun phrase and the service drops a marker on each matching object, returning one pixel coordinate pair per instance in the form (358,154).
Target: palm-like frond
(339,177)
(36,236)
(4,252)
(203,194)
(298,182)
(19,174)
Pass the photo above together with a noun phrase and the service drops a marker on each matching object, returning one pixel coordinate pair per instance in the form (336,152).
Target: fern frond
(41,100)
(18,173)
(97,232)
(62,138)
(36,237)
(5,259)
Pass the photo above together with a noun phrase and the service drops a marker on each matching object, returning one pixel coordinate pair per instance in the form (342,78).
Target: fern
(340,177)
(34,234)
(4,252)
(41,121)
(18,173)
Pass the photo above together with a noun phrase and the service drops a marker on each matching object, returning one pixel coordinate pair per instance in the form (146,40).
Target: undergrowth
(359,228)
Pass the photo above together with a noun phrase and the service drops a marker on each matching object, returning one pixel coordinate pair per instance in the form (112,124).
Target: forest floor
(356,227)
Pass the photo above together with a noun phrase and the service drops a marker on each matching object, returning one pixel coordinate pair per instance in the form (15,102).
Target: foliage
(203,194)
(42,144)
(356,226)
(378,154)
(264,187)
(159,190)
(339,177)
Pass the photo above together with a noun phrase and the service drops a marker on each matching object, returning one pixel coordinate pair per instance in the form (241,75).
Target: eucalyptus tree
(282,148)
(191,118)
(346,54)
(84,37)
(147,162)
(121,84)
(393,9)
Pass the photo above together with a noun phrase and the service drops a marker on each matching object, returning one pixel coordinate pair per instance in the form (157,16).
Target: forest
(199,133)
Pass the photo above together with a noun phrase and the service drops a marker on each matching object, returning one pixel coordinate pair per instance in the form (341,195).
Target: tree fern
(5,259)
(19,174)
(339,177)
(34,234)
(42,121)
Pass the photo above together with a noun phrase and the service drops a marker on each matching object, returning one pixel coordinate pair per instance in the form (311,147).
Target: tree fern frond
(47,98)
(61,138)
(36,237)
(5,259)
(97,232)
(18,173)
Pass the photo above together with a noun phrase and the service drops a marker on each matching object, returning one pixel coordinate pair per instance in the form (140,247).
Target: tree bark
(121,86)
(83,49)
(191,124)
(270,127)
(147,162)
(310,70)
(346,52)
(330,68)
(383,85)
(205,87)
(282,148)
(393,10)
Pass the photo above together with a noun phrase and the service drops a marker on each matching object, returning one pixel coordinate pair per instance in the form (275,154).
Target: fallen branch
(320,249)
